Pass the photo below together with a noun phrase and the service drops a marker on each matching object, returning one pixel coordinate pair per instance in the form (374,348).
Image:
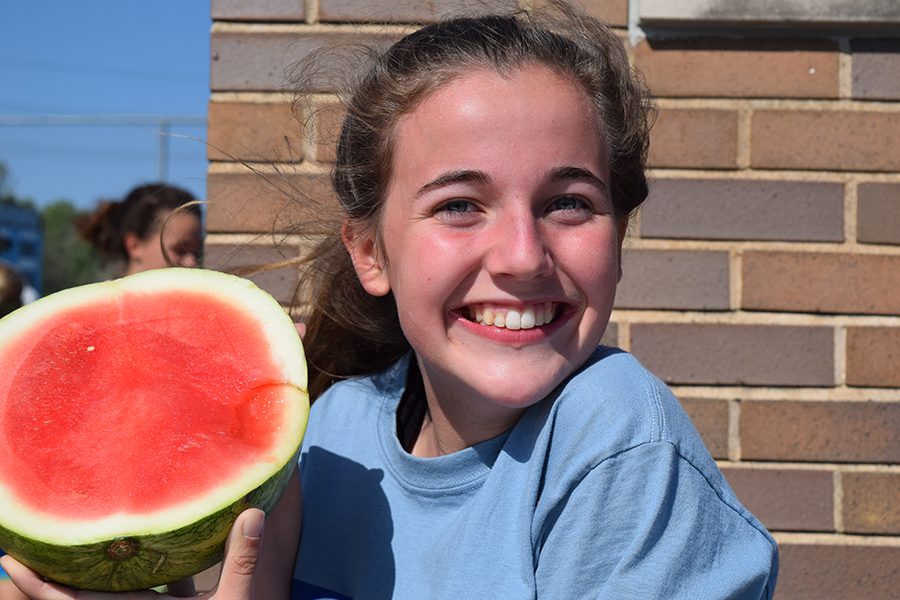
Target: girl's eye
(457,206)
(568,203)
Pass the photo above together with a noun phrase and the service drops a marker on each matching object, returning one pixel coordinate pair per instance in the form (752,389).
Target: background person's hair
(350,332)
(11,286)
(138,213)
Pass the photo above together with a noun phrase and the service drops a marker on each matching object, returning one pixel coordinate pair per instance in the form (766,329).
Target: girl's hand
(241,554)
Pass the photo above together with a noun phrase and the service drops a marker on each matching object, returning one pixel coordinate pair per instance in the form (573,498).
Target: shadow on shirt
(345,546)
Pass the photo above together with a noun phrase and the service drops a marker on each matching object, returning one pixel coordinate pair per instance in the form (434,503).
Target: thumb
(241,556)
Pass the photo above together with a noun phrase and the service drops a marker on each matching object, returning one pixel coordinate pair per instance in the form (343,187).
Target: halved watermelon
(138,417)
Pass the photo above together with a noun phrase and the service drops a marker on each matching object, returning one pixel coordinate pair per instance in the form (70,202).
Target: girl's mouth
(505,317)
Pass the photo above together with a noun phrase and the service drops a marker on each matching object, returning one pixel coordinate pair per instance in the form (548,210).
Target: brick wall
(762,277)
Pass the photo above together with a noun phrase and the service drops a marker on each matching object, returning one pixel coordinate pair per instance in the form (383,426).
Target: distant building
(22,241)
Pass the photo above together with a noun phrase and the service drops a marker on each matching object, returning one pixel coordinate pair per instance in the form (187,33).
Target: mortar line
(838,500)
(851,212)
(624,333)
(744,130)
(840,355)
(312,11)
(735,278)
(734,430)
(845,69)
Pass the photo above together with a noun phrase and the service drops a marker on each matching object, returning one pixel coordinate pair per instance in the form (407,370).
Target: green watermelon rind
(158,558)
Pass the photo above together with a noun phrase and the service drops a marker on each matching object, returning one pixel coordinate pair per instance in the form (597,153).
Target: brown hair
(351,333)
(11,286)
(138,213)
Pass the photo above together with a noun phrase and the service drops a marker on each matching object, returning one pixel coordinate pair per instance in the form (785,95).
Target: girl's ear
(133,246)
(367,259)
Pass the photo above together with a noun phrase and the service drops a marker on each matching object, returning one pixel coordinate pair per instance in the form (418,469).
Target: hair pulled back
(139,213)
(351,333)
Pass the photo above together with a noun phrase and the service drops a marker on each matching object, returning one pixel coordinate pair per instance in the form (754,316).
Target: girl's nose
(519,250)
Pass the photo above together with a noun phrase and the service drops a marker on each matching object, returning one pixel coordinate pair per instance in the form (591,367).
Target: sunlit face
(498,239)
(182,238)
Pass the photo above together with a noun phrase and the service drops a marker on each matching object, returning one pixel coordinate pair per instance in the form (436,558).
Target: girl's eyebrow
(566,173)
(577,174)
(461,176)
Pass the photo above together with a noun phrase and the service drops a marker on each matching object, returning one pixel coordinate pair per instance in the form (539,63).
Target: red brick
(398,11)
(785,498)
(821,282)
(740,68)
(258,10)
(247,131)
(694,138)
(873,356)
(841,140)
(818,571)
(723,354)
(736,209)
(677,279)
(263,203)
(280,283)
(710,417)
(876,63)
(830,431)
(249,61)
(871,502)
(878,213)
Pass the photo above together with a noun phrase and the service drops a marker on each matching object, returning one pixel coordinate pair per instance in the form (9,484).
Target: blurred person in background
(127,232)
(12,286)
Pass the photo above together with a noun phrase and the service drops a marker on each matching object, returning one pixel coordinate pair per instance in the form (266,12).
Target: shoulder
(615,400)
(352,409)
(615,422)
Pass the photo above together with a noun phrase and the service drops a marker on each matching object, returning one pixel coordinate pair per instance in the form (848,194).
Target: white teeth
(528,317)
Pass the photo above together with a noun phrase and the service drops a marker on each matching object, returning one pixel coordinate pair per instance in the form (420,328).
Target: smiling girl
(471,437)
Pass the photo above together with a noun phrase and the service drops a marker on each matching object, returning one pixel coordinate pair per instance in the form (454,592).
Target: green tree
(68,259)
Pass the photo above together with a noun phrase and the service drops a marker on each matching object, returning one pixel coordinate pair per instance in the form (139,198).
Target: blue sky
(102,57)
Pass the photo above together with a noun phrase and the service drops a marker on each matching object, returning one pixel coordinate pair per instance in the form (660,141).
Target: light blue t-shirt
(603,490)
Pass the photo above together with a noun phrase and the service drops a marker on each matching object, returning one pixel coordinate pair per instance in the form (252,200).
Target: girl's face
(182,237)
(498,240)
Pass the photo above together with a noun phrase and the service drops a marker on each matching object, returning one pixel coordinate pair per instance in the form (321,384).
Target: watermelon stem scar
(138,418)
(123,548)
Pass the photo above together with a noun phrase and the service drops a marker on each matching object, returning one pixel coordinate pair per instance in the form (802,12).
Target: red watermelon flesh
(120,410)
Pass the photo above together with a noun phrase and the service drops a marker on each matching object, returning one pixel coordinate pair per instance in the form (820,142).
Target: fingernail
(253,527)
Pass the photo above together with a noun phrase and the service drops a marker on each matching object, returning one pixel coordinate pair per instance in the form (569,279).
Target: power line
(66,120)
(16,62)
(164,123)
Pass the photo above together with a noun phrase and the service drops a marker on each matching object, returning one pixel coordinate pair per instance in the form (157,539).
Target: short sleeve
(645,523)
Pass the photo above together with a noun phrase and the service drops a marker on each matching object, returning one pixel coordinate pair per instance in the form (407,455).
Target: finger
(241,556)
(301,328)
(32,585)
